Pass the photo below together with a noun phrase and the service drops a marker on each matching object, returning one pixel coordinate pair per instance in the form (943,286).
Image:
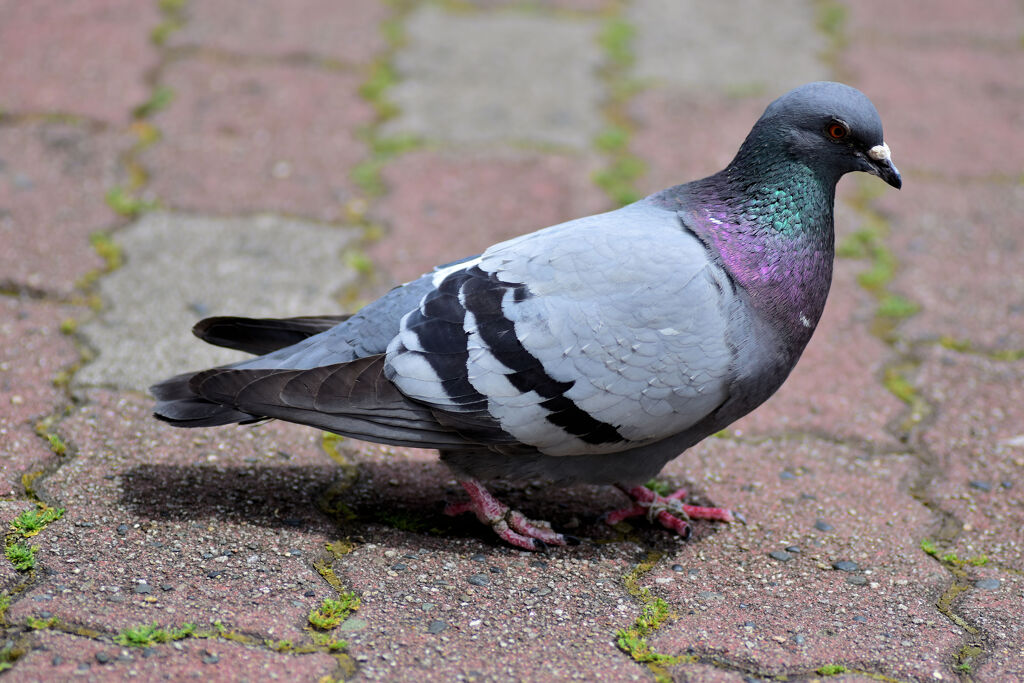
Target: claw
(668,510)
(511,525)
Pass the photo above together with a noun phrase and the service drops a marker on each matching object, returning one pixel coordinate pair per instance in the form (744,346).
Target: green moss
(896,306)
(662,488)
(617,179)
(857,245)
(831,669)
(123,202)
(150,634)
(899,386)
(929,547)
(32,521)
(394,145)
(57,444)
(37,624)
(382,78)
(328,642)
(279,645)
(357,260)
(831,18)
(612,139)
(173,12)
(978,561)
(881,272)
(616,39)
(953,344)
(68,326)
(633,640)
(160,98)
(334,611)
(21,555)
(366,175)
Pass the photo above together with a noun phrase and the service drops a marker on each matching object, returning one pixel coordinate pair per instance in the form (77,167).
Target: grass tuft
(22,555)
(32,521)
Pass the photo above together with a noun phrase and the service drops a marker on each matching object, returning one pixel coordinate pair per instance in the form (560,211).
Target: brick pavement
(162,161)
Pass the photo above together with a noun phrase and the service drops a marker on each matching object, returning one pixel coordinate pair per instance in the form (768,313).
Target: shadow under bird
(591,351)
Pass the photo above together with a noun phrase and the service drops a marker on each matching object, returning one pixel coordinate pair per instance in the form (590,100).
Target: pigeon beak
(881,165)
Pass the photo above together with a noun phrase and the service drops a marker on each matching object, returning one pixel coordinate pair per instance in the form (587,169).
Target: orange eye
(837,130)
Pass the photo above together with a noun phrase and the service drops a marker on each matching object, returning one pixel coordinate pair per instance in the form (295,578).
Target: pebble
(143,588)
(479,579)
(799,639)
(479,558)
(786,476)
(166,587)
(987,584)
(677,567)
(780,555)
(822,525)
(860,620)
(399,566)
(437,626)
(103,658)
(845,566)
(857,580)
(539,564)
(980,485)
(210,658)
(122,529)
(495,569)
(214,573)
(793,549)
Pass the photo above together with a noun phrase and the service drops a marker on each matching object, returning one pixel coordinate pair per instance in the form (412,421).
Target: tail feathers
(354,399)
(179,405)
(262,335)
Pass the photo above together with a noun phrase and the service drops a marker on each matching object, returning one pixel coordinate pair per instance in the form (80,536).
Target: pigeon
(593,351)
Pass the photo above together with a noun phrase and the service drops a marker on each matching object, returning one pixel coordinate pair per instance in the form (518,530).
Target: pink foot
(669,510)
(510,524)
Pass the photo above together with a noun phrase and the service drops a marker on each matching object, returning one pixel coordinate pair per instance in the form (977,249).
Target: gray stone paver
(477,78)
(737,46)
(250,526)
(182,268)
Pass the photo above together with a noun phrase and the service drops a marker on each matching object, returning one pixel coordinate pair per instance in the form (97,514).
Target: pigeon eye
(837,130)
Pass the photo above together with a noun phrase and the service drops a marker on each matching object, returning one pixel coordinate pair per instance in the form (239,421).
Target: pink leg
(510,525)
(668,510)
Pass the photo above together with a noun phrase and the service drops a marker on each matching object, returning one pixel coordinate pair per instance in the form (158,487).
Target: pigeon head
(830,127)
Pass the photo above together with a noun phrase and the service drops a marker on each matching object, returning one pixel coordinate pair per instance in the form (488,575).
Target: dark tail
(179,405)
(262,335)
